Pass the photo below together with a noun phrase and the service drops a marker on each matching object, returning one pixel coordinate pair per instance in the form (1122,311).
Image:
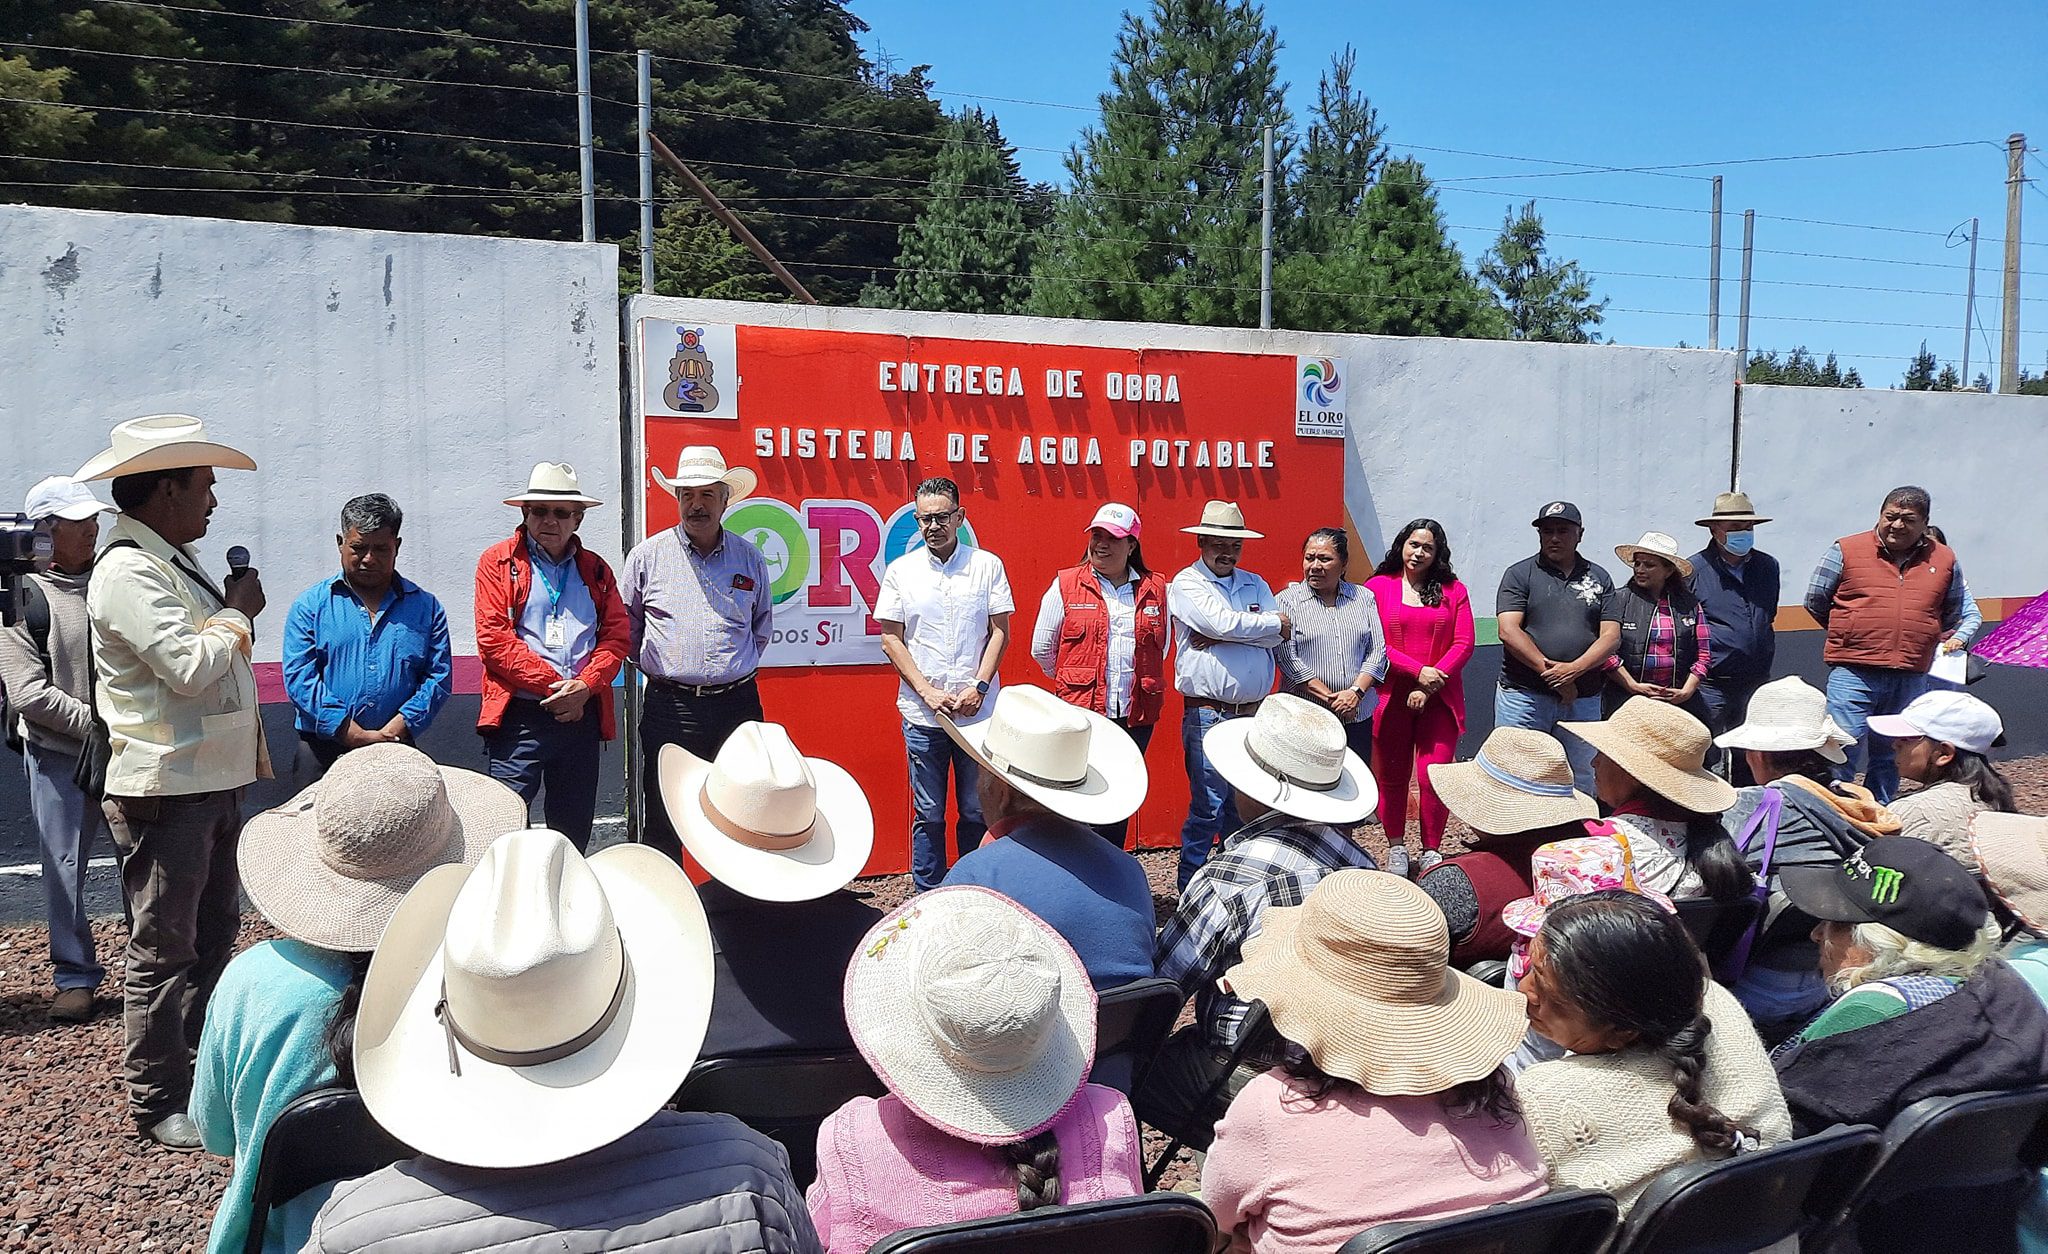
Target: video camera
(24,548)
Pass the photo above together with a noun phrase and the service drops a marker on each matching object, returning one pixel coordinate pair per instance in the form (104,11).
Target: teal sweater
(261,1047)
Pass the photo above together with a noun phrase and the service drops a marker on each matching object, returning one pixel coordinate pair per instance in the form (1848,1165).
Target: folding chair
(785,1097)
(320,1136)
(1150,1223)
(1253,1033)
(1750,1201)
(1131,1023)
(1569,1221)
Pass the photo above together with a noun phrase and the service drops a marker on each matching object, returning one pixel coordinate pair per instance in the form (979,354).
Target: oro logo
(1320,384)
(828,549)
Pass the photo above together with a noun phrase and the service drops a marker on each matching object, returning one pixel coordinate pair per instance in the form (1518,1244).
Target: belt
(698,690)
(1235,711)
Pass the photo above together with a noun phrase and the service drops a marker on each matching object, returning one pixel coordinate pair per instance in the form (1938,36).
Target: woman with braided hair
(1663,1068)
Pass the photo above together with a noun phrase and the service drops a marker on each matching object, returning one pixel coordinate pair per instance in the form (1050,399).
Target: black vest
(1636,612)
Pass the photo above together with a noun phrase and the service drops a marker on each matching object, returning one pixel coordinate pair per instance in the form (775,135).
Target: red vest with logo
(1081,667)
(1885,616)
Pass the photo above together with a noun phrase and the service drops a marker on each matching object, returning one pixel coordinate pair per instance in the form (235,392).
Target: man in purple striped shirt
(701,606)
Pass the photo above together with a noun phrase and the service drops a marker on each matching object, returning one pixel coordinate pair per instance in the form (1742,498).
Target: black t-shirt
(781,970)
(1561,613)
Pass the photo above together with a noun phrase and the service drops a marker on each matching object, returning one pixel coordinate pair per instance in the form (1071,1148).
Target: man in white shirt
(944,611)
(1225,627)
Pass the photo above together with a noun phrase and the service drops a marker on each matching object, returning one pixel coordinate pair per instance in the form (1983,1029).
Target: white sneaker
(1431,859)
(1397,860)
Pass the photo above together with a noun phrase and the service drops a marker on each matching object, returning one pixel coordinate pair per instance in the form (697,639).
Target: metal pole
(646,172)
(1714,273)
(1748,250)
(583,142)
(2009,347)
(1266,238)
(731,220)
(1970,303)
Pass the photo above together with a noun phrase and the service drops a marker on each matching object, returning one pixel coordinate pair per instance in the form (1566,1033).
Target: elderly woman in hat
(979,1020)
(1664,651)
(1393,1104)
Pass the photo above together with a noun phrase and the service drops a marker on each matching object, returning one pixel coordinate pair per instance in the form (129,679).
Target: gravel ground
(73,1176)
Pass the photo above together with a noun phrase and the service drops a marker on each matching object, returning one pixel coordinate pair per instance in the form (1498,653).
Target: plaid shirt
(1271,861)
(1959,613)
(1660,653)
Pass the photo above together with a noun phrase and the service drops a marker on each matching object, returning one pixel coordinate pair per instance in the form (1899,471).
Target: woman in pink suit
(1428,619)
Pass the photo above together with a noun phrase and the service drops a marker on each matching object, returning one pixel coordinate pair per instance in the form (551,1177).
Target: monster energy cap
(1903,882)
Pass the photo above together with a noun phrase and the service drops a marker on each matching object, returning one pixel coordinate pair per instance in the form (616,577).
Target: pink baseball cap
(1118,520)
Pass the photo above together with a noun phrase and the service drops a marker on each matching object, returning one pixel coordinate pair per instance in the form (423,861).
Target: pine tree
(969,251)
(1345,151)
(1544,299)
(1799,369)
(1920,374)
(695,255)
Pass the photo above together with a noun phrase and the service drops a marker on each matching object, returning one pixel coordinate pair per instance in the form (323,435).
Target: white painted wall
(435,368)
(1822,459)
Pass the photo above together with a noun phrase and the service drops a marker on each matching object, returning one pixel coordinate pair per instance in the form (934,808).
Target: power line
(288,174)
(318,126)
(388,30)
(313,191)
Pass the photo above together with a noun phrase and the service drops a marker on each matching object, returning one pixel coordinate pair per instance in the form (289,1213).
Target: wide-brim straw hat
(1072,761)
(160,442)
(1519,781)
(553,483)
(1732,507)
(1359,975)
(329,866)
(1564,869)
(700,466)
(1664,749)
(536,1007)
(977,1015)
(1291,756)
(1788,715)
(1225,520)
(766,820)
(2012,851)
(1657,544)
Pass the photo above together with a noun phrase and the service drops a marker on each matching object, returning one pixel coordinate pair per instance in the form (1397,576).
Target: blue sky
(1633,85)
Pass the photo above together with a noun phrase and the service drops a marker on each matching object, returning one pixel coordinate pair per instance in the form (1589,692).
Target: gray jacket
(48,694)
(681,1183)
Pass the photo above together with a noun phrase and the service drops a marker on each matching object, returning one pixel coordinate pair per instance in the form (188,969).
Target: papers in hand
(1953,667)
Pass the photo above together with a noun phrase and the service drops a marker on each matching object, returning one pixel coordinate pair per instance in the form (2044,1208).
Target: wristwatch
(981,686)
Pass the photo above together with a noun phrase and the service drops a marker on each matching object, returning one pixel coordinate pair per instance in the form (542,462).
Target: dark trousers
(1726,699)
(532,750)
(178,871)
(671,716)
(321,750)
(1118,833)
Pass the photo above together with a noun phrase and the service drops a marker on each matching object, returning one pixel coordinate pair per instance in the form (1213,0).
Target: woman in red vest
(1101,632)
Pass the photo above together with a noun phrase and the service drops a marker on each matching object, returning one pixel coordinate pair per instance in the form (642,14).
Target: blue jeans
(932,753)
(531,748)
(1854,694)
(1212,806)
(1540,711)
(68,826)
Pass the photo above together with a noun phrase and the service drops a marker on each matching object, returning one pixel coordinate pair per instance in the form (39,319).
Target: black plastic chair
(1950,1174)
(782,1096)
(1150,1223)
(1569,1221)
(1716,925)
(1131,1023)
(1735,1205)
(320,1136)
(1255,1038)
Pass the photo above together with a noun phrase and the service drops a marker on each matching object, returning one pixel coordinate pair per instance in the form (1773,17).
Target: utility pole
(1970,303)
(583,149)
(1266,238)
(1748,252)
(646,172)
(2015,181)
(1714,273)
(730,220)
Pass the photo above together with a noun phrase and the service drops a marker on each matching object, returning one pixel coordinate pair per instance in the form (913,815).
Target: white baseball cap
(1118,520)
(61,496)
(1954,718)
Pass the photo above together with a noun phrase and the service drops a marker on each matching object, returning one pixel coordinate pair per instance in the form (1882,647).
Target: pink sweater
(881,1169)
(1292,1175)
(1420,635)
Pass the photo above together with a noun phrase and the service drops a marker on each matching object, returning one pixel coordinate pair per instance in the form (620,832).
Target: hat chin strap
(1252,751)
(527,1057)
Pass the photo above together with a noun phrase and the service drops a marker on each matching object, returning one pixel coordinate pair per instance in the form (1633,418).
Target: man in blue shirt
(1737,585)
(366,655)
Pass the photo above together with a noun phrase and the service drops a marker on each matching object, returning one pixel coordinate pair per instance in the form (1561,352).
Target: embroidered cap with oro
(1905,883)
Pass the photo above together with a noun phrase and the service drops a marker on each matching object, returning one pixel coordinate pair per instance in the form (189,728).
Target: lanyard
(540,572)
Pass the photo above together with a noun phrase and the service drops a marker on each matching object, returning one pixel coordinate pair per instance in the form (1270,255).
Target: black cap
(1903,882)
(1559,511)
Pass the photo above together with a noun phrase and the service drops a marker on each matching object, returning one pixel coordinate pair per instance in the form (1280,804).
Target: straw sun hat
(977,1015)
(1659,545)
(1520,781)
(1291,755)
(1788,715)
(1664,749)
(1359,976)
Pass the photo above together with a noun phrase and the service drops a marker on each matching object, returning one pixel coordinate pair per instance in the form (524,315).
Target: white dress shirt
(1121,600)
(1238,614)
(944,608)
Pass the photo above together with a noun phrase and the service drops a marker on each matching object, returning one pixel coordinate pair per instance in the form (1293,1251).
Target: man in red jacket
(552,633)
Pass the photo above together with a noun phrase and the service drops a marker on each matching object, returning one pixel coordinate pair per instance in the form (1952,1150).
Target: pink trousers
(1406,743)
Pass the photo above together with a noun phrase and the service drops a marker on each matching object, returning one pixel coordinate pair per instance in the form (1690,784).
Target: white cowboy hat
(1787,716)
(766,820)
(160,442)
(331,865)
(1656,544)
(1291,756)
(1072,761)
(978,1016)
(700,465)
(536,1007)
(1225,519)
(552,482)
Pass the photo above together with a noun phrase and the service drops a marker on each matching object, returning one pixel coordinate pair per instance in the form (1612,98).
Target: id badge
(556,635)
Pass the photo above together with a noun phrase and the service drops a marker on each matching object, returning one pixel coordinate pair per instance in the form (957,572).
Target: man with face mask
(1737,587)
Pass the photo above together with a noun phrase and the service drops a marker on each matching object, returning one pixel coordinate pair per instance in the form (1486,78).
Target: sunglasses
(553,511)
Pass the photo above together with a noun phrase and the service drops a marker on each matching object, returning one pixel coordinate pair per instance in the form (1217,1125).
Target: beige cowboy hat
(977,1015)
(2012,853)
(700,465)
(1787,716)
(1292,756)
(1359,975)
(1520,781)
(552,482)
(766,820)
(1657,544)
(1732,507)
(1072,761)
(329,866)
(160,442)
(536,1007)
(1664,749)
(1224,519)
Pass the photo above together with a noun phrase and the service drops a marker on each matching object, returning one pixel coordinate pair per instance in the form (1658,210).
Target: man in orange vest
(1889,598)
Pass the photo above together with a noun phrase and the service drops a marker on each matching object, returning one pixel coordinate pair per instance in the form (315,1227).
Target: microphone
(238,560)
